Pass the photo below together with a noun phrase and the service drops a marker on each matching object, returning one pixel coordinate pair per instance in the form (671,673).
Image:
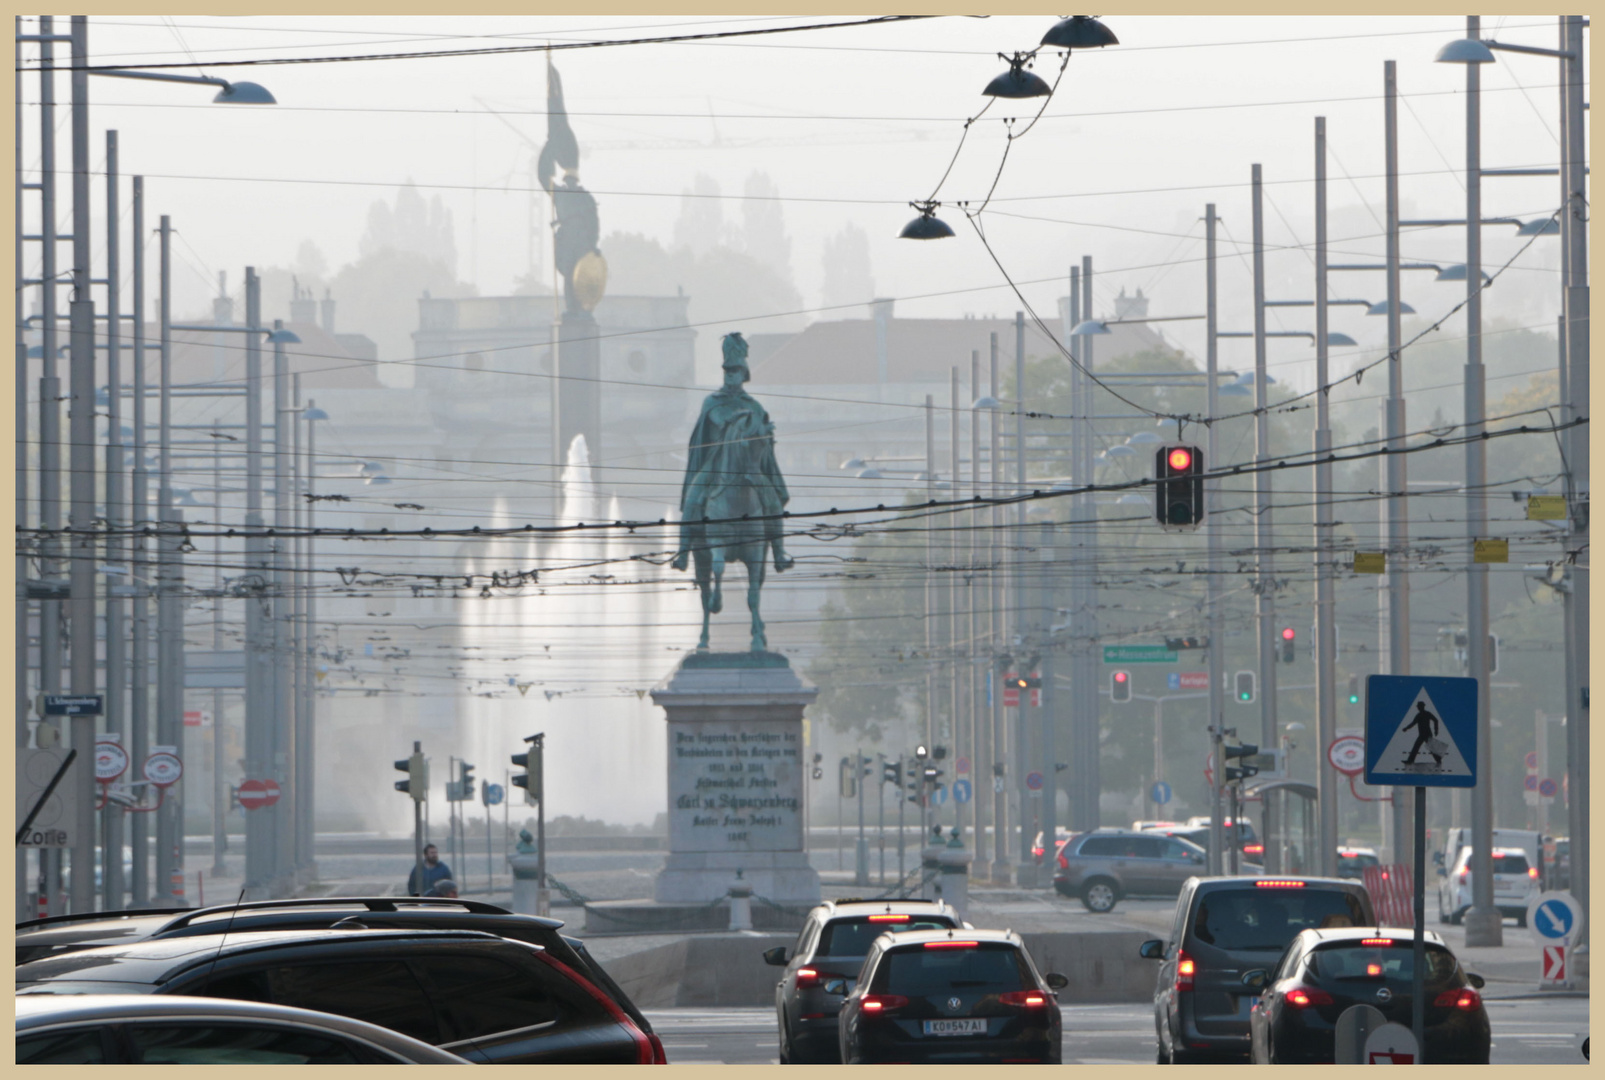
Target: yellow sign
(1546,508)
(1491,551)
(1370,562)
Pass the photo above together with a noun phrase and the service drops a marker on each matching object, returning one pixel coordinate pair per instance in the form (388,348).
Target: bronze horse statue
(732,495)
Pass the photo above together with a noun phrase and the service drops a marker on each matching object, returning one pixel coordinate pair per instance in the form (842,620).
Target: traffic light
(1354,689)
(1120,686)
(1247,685)
(819,773)
(417,770)
(848,783)
(465,782)
(1493,654)
(1179,486)
(533,762)
(1177,644)
(1243,770)
(1288,637)
(892,772)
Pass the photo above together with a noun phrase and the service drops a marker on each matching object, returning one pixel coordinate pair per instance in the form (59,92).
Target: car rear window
(1267,919)
(1359,859)
(385,993)
(1123,847)
(931,972)
(1355,962)
(483,996)
(1510,864)
(852,936)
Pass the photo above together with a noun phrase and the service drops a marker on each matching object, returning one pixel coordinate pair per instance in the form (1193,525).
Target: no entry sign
(255,794)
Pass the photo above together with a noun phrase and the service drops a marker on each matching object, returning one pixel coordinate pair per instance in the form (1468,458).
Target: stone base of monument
(736,787)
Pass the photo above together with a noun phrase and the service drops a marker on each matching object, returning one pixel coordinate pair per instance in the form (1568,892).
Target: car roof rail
(372,903)
(97,916)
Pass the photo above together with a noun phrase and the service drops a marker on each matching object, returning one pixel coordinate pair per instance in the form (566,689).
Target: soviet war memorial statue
(731,474)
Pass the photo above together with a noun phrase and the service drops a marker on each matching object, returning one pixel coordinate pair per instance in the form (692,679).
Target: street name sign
(1138,654)
(1420,731)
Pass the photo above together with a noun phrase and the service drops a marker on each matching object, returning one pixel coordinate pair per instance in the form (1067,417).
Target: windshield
(1352,962)
(1267,919)
(854,936)
(922,972)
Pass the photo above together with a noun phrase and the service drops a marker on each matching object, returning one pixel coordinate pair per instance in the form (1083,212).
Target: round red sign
(253,795)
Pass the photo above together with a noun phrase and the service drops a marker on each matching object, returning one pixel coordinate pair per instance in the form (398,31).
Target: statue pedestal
(736,779)
(577,391)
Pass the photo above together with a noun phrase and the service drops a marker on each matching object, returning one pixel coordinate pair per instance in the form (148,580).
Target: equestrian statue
(733,494)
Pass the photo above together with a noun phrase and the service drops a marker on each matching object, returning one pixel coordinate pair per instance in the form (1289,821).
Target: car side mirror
(1477,981)
(1442,872)
(775,957)
(1256,979)
(1196,857)
(1152,949)
(1056,981)
(836,986)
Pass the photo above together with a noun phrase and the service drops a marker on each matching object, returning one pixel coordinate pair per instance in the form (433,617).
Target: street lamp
(1017,82)
(927,226)
(1079,32)
(232,93)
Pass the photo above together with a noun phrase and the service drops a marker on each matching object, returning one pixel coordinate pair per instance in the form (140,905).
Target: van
(1226,926)
(1533,843)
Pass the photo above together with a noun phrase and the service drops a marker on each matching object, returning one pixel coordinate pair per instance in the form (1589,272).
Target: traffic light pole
(1325,598)
(1217,659)
(1264,558)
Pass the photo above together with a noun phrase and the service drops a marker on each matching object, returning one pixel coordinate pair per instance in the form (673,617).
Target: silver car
(137,1029)
(1105,865)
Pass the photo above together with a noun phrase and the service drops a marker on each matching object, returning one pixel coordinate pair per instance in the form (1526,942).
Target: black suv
(67,933)
(485,998)
(1222,928)
(834,940)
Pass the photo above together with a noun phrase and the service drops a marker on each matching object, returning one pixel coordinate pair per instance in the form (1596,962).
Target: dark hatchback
(831,947)
(1224,927)
(61,934)
(485,998)
(951,997)
(1325,972)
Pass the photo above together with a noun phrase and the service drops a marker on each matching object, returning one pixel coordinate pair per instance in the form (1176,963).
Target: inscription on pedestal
(735,787)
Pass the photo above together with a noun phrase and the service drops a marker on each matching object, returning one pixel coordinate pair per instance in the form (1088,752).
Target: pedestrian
(434,871)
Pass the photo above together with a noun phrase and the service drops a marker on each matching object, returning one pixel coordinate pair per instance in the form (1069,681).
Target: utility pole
(139,606)
(50,644)
(1264,558)
(261,826)
(1395,597)
(81,464)
(1046,595)
(1484,925)
(1575,229)
(116,518)
(1085,814)
(928,594)
(976,657)
(309,632)
(20,370)
(306,856)
(1002,861)
(1325,593)
(284,726)
(1217,646)
(169,608)
(963,745)
(220,798)
(1020,619)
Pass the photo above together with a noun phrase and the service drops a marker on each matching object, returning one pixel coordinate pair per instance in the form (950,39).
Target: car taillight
(658,1056)
(1383,942)
(1253,849)
(1064,863)
(1302,997)
(877,1003)
(952,944)
(807,977)
(1465,998)
(645,1054)
(1030,999)
(1464,874)
(1532,872)
(888,918)
(1185,968)
(1278,884)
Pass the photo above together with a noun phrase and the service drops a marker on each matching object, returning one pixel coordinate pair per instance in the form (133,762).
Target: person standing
(434,871)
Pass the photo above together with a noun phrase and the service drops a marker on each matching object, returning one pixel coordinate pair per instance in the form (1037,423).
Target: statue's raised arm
(733,495)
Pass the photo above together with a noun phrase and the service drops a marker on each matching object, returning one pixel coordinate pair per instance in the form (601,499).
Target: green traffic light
(1354,699)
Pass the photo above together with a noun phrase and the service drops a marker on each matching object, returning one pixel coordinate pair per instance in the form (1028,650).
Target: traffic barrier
(1392,889)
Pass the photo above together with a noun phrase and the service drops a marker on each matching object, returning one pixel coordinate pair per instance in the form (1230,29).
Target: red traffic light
(1120,676)
(1180,459)
(1287,633)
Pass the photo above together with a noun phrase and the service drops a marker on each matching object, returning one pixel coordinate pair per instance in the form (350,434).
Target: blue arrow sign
(939,795)
(1553,919)
(1160,792)
(961,791)
(1173,680)
(1421,731)
(493,794)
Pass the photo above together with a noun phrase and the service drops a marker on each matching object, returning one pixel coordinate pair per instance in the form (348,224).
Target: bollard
(526,883)
(740,904)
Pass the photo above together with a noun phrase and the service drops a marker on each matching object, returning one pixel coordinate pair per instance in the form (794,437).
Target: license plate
(955,1027)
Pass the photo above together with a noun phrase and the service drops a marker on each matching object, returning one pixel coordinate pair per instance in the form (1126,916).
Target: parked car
(1222,928)
(1038,849)
(1249,848)
(49,937)
(951,996)
(1325,972)
(1353,861)
(1515,882)
(1103,866)
(1561,875)
(488,998)
(122,1029)
(835,938)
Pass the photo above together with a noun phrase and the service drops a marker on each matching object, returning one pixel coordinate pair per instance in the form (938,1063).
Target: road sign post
(1555,920)
(1421,732)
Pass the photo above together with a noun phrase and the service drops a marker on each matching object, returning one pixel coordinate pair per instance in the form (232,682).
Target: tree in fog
(848,278)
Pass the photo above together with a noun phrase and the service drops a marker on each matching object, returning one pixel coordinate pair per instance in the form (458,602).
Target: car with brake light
(959,996)
(1324,972)
(1221,928)
(835,938)
(1354,861)
(1515,883)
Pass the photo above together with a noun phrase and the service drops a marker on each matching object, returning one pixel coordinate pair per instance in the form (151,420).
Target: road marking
(685,1046)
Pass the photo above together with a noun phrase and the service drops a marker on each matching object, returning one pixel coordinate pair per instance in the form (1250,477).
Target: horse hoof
(716,603)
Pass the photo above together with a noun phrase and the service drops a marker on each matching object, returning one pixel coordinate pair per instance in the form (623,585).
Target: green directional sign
(1138,654)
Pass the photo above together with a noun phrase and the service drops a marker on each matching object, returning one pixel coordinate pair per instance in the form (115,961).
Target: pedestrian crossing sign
(1421,731)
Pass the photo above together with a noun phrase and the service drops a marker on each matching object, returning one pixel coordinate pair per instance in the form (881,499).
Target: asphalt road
(1526,1031)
